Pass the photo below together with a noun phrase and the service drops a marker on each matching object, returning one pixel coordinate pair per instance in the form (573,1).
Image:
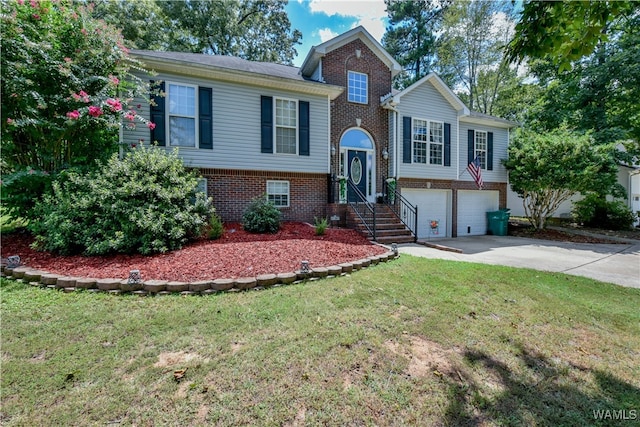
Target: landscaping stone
(334,270)
(209,291)
(320,272)
(49,279)
(287,278)
(246,283)
(125,286)
(374,260)
(108,284)
(18,272)
(164,293)
(223,284)
(86,283)
(266,280)
(32,276)
(347,267)
(69,290)
(200,286)
(302,276)
(366,262)
(177,286)
(187,293)
(8,271)
(357,265)
(140,293)
(155,286)
(115,292)
(66,282)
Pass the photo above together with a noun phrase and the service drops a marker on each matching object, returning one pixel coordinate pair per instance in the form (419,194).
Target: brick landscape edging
(202,287)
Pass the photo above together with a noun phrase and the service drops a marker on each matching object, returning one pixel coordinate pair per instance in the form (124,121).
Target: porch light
(304,267)
(134,277)
(333,150)
(385,154)
(13,261)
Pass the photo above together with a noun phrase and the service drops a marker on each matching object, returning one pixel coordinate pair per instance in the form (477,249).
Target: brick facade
(374,119)
(233,190)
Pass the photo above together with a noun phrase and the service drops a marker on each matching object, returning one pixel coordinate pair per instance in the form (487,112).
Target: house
(296,134)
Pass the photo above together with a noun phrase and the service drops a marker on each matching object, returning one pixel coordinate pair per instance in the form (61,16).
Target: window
(278,193)
(286,126)
(182,113)
(481,148)
(428,142)
(357,87)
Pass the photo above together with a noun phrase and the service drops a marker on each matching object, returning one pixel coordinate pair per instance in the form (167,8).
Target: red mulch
(236,254)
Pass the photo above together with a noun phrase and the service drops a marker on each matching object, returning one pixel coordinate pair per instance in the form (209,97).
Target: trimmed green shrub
(321,225)
(216,228)
(595,211)
(145,203)
(261,217)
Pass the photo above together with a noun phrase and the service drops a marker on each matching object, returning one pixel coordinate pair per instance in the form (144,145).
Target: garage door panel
(432,205)
(472,211)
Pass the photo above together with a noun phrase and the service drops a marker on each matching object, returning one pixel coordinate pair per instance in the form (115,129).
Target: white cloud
(369,13)
(326,34)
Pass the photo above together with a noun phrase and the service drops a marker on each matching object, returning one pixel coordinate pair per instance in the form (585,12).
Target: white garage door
(433,205)
(472,211)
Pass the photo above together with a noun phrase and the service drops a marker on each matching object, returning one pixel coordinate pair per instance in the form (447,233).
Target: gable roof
(236,70)
(317,52)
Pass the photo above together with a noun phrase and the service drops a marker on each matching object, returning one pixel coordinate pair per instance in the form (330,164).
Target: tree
(66,84)
(470,50)
(564,31)
(549,168)
(411,38)
(257,30)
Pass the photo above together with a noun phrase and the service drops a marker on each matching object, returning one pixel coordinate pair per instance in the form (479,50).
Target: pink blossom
(10,121)
(73,115)
(20,2)
(114,80)
(130,115)
(95,111)
(151,125)
(84,95)
(114,104)
(33,3)
(67,59)
(36,16)
(83,31)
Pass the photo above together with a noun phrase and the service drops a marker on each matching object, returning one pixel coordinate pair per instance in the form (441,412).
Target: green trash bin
(498,222)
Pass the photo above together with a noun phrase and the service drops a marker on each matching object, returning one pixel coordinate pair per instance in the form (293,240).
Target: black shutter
(447,144)
(266,124)
(206,117)
(303,129)
(489,151)
(471,144)
(158,134)
(406,139)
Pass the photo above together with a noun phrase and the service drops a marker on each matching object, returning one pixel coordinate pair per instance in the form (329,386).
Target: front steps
(389,229)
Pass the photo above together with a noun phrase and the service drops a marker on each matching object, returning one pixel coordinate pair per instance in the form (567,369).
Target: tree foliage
(549,168)
(146,203)
(565,31)
(411,36)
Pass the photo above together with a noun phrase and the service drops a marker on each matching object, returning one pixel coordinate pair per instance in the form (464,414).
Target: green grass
(410,342)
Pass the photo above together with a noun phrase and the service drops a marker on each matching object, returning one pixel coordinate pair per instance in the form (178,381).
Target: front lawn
(411,342)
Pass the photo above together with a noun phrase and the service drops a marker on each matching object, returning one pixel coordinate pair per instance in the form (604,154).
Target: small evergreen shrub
(595,211)
(145,203)
(261,216)
(216,228)
(321,225)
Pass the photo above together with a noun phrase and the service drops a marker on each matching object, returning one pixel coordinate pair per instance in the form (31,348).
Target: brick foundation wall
(233,190)
(374,119)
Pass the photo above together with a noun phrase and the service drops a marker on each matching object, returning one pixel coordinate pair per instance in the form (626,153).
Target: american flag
(476,172)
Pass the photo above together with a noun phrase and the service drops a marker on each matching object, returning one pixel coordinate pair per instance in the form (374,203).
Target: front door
(357,164)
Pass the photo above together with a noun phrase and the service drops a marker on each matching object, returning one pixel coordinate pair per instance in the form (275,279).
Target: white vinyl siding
(286,126)
(500,145)
(182,113)
(358,87)
(236,129)
(278,193)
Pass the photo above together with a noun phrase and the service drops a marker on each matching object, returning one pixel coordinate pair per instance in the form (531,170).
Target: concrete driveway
(613,263)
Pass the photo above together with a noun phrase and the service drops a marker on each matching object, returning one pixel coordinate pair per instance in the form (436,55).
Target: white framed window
(202,186)
(428,142)
(182,112)
(278,193)
(286,126)
(358,87)
(480,149)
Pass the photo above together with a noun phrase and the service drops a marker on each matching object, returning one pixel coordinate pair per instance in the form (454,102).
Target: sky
(321,20)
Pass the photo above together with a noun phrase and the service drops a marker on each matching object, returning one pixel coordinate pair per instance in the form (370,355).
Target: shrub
(321,225)
(595,211)
(261,217)
(145,203)
(216,228)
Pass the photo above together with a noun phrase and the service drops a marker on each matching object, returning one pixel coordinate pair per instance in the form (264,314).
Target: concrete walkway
(613,263)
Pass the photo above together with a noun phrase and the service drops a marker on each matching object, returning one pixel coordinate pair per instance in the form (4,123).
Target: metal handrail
(402,209)
(361,201)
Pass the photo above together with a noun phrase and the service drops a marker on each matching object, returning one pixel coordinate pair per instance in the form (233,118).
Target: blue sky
(321,20)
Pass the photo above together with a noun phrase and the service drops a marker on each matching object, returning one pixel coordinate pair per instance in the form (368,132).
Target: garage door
(472,211)
(433,205)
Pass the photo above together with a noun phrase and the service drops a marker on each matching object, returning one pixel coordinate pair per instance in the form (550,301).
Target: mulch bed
(521,229)
(236,254)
